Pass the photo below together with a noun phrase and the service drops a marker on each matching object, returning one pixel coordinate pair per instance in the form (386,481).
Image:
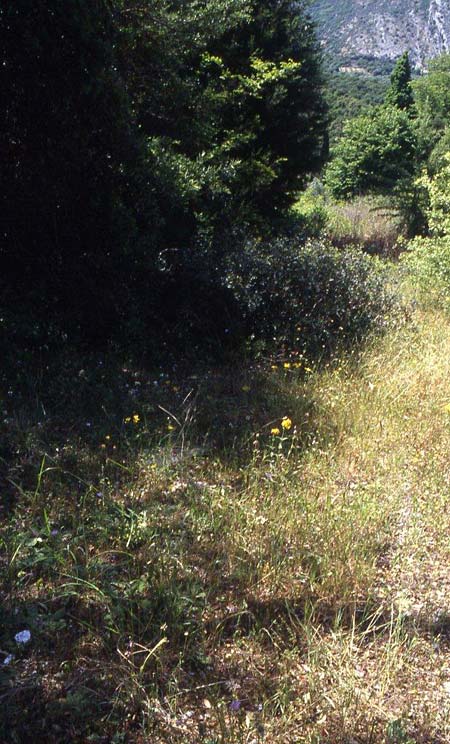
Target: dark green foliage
(373,66)
(310,297)
(70,186)
(378,155)
(229,96)
(400,91)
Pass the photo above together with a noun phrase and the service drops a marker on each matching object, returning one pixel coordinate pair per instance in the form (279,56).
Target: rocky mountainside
(383,29)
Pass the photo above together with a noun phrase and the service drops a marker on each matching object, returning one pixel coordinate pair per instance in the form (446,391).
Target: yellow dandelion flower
(287,365)
(136,418)
(286,423)
(276,432)
(127,419)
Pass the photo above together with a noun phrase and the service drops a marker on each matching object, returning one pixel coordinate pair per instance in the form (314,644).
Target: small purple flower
(54,533)
(235,705)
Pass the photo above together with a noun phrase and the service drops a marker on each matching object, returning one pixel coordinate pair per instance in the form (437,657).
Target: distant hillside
(352,30)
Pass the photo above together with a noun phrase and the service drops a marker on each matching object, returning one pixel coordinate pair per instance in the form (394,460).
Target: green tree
(400,92)
(432,100)
(229,97)
(432,93)
(376,154)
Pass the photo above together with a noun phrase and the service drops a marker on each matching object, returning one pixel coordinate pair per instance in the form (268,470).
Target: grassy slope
(301,578)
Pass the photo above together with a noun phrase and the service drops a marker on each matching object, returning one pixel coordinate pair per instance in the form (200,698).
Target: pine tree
(400,92)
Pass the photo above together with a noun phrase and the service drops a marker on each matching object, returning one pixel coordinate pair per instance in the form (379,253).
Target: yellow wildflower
(136,418)
(287,365)
(276,432)
(127,419)
(447,408)
(170,427)
(286,423)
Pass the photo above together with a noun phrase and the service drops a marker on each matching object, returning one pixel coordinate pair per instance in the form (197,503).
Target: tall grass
(202,573)
(366,222)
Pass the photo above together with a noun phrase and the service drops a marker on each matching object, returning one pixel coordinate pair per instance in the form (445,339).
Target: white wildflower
(23,637)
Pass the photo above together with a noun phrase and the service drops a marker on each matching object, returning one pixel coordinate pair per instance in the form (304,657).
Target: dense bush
(428,265)
(349,95)
(309,296)
(428,258)
(311,210)
(283,291)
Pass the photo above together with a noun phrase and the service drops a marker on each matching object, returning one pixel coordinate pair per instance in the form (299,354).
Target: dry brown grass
(367,223)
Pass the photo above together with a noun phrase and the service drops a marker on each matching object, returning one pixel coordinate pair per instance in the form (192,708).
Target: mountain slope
(384,28)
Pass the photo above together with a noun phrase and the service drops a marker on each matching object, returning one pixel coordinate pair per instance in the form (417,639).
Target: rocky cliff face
(384,28)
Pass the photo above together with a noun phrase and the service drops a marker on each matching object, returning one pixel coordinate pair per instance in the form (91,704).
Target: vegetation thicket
(428,257)
(140,141)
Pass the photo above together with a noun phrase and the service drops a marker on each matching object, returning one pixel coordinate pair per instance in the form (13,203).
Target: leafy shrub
(311,211)
(428,264)
(428,259)
(309,296)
